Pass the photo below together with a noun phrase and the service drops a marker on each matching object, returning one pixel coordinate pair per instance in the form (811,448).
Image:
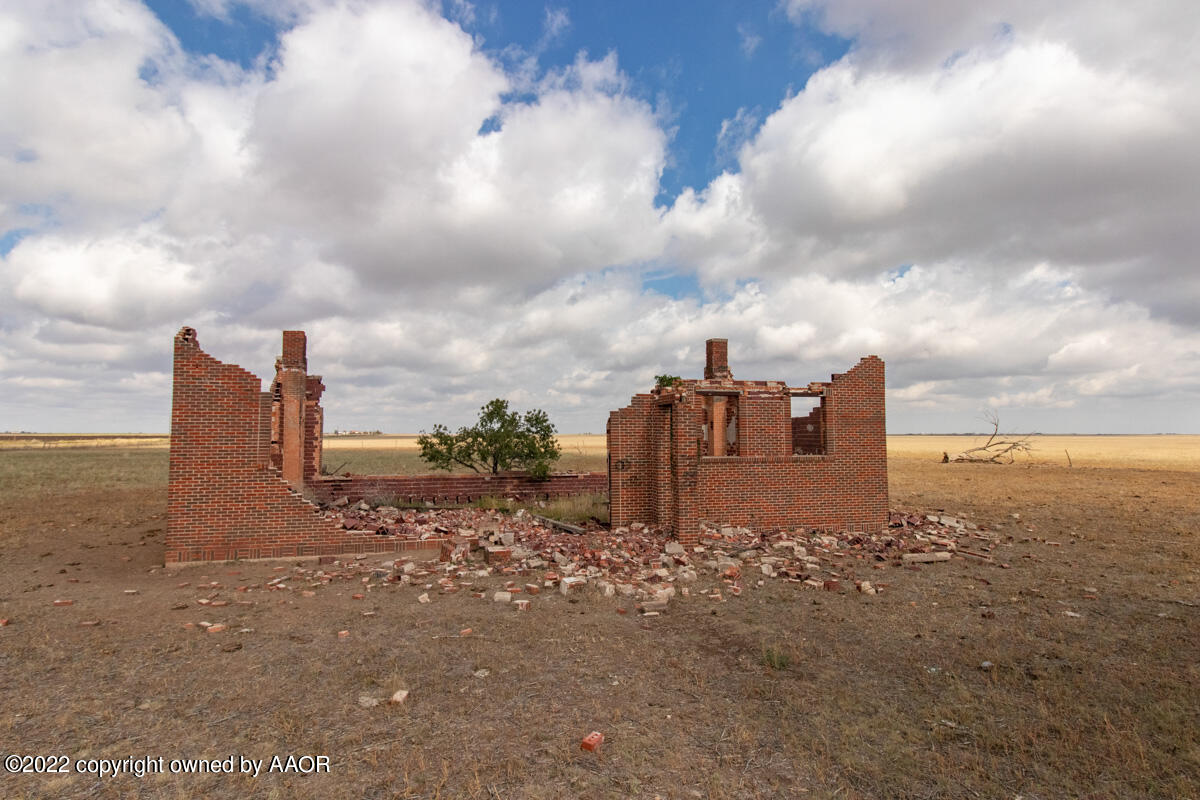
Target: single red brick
(592,742)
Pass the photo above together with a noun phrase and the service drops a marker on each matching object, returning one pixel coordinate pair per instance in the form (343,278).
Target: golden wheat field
(1157,451)
(46,441)
(1161,451)
(1166,451)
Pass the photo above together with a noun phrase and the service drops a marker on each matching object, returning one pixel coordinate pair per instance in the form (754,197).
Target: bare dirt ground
(1073,673)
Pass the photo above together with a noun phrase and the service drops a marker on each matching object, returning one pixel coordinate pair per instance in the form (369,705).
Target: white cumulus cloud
(997,198)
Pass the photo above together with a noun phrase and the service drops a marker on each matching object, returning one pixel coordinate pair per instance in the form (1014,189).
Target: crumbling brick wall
(241,459)
(672,465)
(224,498)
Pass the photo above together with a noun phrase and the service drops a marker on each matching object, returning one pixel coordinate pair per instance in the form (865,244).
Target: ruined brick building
(243,461)
(237,456)
(728,452)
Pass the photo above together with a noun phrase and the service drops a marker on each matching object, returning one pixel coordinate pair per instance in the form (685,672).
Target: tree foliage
(500,440)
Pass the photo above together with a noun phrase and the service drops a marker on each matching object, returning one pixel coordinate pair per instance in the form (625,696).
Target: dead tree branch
(999,448)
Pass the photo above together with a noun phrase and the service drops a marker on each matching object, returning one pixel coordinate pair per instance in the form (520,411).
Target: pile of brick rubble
(533,556)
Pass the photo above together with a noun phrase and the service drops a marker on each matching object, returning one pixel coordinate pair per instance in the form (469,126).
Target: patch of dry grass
(578,509)
(44,441)
(36,474)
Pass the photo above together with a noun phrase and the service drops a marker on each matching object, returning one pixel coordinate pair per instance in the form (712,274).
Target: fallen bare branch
(996,449)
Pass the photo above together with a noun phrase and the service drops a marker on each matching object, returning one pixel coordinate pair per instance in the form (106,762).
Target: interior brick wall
(456,488)
(314,428)
(805,441)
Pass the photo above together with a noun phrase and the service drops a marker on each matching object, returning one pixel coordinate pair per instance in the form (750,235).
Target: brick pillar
(716,359)
(686,421)
(718,433)
(662,475)
(293,369)
(314,427)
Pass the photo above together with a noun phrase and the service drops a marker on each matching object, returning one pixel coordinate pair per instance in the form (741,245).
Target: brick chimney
(294,350)
(716,359)
(291,368)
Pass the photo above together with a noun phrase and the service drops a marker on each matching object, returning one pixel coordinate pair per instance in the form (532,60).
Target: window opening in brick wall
(808,428)
(719,436)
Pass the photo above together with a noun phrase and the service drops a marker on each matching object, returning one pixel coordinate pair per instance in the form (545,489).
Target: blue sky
(553,203)
(697,63)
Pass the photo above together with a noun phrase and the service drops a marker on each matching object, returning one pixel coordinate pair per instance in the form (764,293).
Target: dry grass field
(1147,452)
(582,443)
(44,441)
(1074,672)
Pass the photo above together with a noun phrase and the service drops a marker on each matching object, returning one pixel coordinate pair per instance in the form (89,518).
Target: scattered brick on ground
(635,562)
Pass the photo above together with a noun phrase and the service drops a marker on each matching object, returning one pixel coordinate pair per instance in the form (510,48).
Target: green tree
(500,440)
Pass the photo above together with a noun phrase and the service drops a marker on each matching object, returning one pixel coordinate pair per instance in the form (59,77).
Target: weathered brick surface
(666,468)
(224,499)
(456,488)
(291,378)
(241,458)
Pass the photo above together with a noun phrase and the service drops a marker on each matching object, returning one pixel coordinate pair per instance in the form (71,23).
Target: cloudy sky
(554,203)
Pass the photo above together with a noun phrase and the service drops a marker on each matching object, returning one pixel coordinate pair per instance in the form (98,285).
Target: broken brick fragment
(497,554)
(592,742)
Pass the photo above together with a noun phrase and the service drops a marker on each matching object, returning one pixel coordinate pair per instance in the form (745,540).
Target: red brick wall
(687,416)
(661,475)
(846,489)
(641,440)
(765,429)
(292,386)
(456,488)
(223,498)
(314,427)
(633,436)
